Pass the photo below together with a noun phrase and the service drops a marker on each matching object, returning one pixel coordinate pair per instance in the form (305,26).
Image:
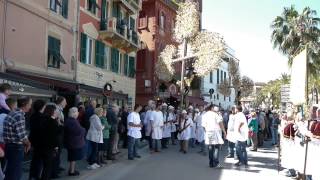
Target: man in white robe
(147,122)
(157,127)
(184,131)
(166,134)
(200,131)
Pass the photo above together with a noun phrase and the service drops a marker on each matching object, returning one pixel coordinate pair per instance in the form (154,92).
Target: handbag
(251,133)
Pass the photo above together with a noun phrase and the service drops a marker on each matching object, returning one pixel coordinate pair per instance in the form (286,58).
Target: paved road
(172,165)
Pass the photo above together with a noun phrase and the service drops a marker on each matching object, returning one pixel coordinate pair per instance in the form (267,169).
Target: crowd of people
(93,132)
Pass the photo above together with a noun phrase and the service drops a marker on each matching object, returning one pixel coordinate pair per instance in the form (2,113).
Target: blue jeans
(94,153)
(274,132)
(231,146)
(132,147)
(214,151)
(242,152)
(14,158)
(156,144)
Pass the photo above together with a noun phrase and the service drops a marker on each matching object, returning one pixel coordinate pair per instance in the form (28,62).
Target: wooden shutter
(218,71)
(114,60)
(99,54)
(126,65)
(83,48)
(131,66)
(64,8)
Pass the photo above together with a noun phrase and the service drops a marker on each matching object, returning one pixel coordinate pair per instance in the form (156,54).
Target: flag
(298,78)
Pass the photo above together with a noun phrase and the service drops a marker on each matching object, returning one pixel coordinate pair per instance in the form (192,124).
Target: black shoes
(75,173)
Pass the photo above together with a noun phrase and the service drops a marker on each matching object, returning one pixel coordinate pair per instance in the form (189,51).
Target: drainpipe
(76,41)
(3,42)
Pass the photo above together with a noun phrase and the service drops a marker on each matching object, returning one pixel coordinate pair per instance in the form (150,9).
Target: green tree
(294,31)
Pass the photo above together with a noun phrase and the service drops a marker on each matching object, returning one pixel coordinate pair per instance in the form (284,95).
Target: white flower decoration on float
(187,21)
(209,48)
(164,68)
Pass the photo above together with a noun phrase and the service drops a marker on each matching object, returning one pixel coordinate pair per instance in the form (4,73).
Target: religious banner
(298,79)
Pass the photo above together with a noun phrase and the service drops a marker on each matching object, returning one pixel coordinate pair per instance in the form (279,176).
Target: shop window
(54,56)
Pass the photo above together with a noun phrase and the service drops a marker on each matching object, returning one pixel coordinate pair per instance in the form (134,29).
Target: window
(104,14)
(63,7)
(99,55)
(115,60)
(217,96)
(162,21)
(218,76)
(229,99)
(131,67)
(126,65)
(54,56)
(224,98)
(92,6)
(86,49)
(143,20)
(211,78)
(53,5)
(221,76)
(132,22)
(225,75)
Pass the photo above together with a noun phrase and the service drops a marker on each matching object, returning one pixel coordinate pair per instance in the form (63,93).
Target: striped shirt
(14,130)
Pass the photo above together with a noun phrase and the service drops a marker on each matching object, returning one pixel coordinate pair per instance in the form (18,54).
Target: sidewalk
(81,166)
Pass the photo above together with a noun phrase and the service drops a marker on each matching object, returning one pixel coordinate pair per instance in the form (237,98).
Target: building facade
(213,80)
(156,26)
(37,46)
(108,42)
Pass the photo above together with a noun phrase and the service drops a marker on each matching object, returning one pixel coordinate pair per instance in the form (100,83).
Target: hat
(184,112)
(196,110)
(171,107)
(164,104)
(190,107)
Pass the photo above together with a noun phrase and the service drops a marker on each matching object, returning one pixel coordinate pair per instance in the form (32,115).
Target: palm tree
(292,32)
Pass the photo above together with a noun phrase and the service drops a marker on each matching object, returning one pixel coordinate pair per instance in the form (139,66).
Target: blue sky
(245,25)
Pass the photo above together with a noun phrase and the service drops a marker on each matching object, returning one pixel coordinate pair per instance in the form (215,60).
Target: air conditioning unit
(147,83)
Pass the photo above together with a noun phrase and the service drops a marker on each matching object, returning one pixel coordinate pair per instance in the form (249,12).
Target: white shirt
(243,134)
(211,124)
(231,130)
(134,132)
(147,122)
(186,125)
(157,124)
(199,128)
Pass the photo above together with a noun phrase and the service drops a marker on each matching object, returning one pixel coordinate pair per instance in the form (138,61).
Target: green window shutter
(83,48)
(115,9)
(131,66)
(64,7)
(99,55)
(132,23)
(126,65)
(114,60)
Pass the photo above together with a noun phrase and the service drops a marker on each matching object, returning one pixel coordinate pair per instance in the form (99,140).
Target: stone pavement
(172,165)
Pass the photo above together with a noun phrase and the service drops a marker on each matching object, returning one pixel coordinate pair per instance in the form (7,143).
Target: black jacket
(36,119)
(50,133)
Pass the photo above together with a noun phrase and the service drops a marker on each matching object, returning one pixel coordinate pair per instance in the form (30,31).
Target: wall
(88,75)
(28,25)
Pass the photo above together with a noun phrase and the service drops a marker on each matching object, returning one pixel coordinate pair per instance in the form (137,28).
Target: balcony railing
(119,34)
(133,6)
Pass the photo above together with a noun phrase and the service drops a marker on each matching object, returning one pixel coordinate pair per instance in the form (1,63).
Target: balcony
(132,6)
(117,32)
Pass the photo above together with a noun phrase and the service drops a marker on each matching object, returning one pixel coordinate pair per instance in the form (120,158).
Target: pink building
(38,45)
